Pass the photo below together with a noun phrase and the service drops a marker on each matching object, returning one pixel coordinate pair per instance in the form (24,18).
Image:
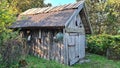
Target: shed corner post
(66,60)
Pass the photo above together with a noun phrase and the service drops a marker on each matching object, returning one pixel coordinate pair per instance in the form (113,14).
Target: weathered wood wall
(74,41)
(45,46)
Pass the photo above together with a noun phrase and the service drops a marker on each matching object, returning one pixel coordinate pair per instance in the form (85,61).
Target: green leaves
(22,5)
(100,43)
(6,19)
(104,16)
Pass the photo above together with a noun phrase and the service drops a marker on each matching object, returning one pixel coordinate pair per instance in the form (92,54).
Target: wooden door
(73,48)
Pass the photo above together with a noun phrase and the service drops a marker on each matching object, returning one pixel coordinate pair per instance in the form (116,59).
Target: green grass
(34,62)
(96,61)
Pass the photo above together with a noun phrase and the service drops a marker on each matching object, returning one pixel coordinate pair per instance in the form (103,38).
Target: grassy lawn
(34,62)
(96,61)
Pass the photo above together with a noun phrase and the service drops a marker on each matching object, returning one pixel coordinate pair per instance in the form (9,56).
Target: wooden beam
(66,59)
(76,12)
(74,30)
(86,14)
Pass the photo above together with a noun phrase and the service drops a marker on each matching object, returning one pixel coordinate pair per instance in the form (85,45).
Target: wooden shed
(56,33)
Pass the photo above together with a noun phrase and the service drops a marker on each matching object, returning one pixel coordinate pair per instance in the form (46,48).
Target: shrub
(13,49)
(103,44)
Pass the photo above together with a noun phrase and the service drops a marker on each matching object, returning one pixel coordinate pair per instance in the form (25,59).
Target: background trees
(104,15)
(11,45)
(6,19)
(22,5)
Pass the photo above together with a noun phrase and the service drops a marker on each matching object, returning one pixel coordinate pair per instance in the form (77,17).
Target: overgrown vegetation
(103,44)
(12,51)
(12,46)
(19,6)
(6,19)
(35,62)
(104,16)
(96,61)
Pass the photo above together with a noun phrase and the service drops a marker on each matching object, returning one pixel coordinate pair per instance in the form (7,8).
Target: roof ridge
(52,8)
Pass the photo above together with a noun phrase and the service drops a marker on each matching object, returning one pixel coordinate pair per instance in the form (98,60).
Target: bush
(107,45)
(12,50)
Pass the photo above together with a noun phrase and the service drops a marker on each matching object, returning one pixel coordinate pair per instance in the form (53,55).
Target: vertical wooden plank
(56,54)
(71,49)
(59,51)
(46,46)
(56,51)
(66,48)
(64,43)
(83,37)
(33,44)
(53,51)
(39,44)
(52,45)
(77,46)
(82,46)
(62,52)
(43,43)
(47,51)
(40,49)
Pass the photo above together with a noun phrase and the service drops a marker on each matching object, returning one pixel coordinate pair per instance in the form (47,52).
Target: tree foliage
(104,15)
(22,5)
(13,51)
(12,47)
(103,44)
(6,19)
(6,16)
